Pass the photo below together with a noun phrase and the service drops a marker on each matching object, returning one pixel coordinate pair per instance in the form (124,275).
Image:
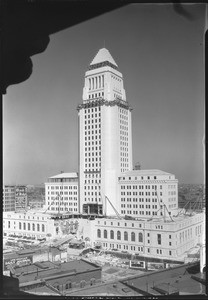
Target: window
(159,239)
(68,285)
(118,235)
(112,234)
(82,283)
(125,236)
(28,226)
(133,237)
(170,252)
(105,234)
(20,225)
(43,227)
(33,227)
(38,227)
(140,237)
(99,233)
(24,226)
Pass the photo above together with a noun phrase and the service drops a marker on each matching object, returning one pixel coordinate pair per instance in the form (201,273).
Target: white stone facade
(105,137)
(39,224)
(152,238)
(62,193)
(148,193)
(32,223)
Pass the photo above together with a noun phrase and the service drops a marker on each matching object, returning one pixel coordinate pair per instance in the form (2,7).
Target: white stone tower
(105,135)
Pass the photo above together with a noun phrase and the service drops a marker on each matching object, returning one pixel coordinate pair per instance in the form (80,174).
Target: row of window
(70,187)
(65,203)
(136,212)
(122,127)
(133,248)
(92,199)
(124,138)
(28,217)
(140,187)
(92,116)
(125,247)
(93,137)
(67,286)
(140,200)
(141,178)
(123,112)
(63,209)
(62,198)
(91,121)
(88,159)
(138,206)
(61,193)
(186,234)
(92,132)
(91,127)
(22,226)
(123,149)
(140,193)
(92,193)
(89,110)
(117,235)
(119,224)
(172,193)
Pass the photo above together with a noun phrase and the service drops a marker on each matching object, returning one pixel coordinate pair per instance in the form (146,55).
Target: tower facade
(105,136)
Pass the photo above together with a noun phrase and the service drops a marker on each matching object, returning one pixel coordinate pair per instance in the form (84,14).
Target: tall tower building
(105,135)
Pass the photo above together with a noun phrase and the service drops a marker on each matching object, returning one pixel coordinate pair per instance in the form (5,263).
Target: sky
(160,54)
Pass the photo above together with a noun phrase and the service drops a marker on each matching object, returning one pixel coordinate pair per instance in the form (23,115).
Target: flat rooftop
(144,172)
(65,175)
(160,220)
(157,283)
(43,270)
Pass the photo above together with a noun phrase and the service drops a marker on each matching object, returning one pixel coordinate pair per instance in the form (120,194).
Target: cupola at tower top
(102,58)
(103,79)
(103,55)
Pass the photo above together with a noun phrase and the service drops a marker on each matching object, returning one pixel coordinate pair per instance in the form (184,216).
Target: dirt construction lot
(113,273)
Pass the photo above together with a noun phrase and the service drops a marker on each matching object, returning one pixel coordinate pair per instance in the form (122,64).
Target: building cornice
(102,64)
(100,102)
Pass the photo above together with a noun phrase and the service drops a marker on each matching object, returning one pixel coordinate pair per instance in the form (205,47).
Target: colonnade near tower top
(96,82)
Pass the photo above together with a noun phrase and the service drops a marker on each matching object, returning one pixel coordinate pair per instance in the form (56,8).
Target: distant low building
(14,197)
(20,197)
(30,256)
(9,198)
(61,277)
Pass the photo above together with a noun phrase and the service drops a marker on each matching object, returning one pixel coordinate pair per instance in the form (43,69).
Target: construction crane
(20,202)
(118,215)
(191,208)
(106,198)
(164,206)
(104,203)
(57,196)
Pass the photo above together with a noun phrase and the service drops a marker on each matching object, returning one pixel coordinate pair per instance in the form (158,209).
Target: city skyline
(163,73)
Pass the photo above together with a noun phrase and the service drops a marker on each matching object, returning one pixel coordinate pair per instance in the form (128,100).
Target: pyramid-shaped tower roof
(103,55)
